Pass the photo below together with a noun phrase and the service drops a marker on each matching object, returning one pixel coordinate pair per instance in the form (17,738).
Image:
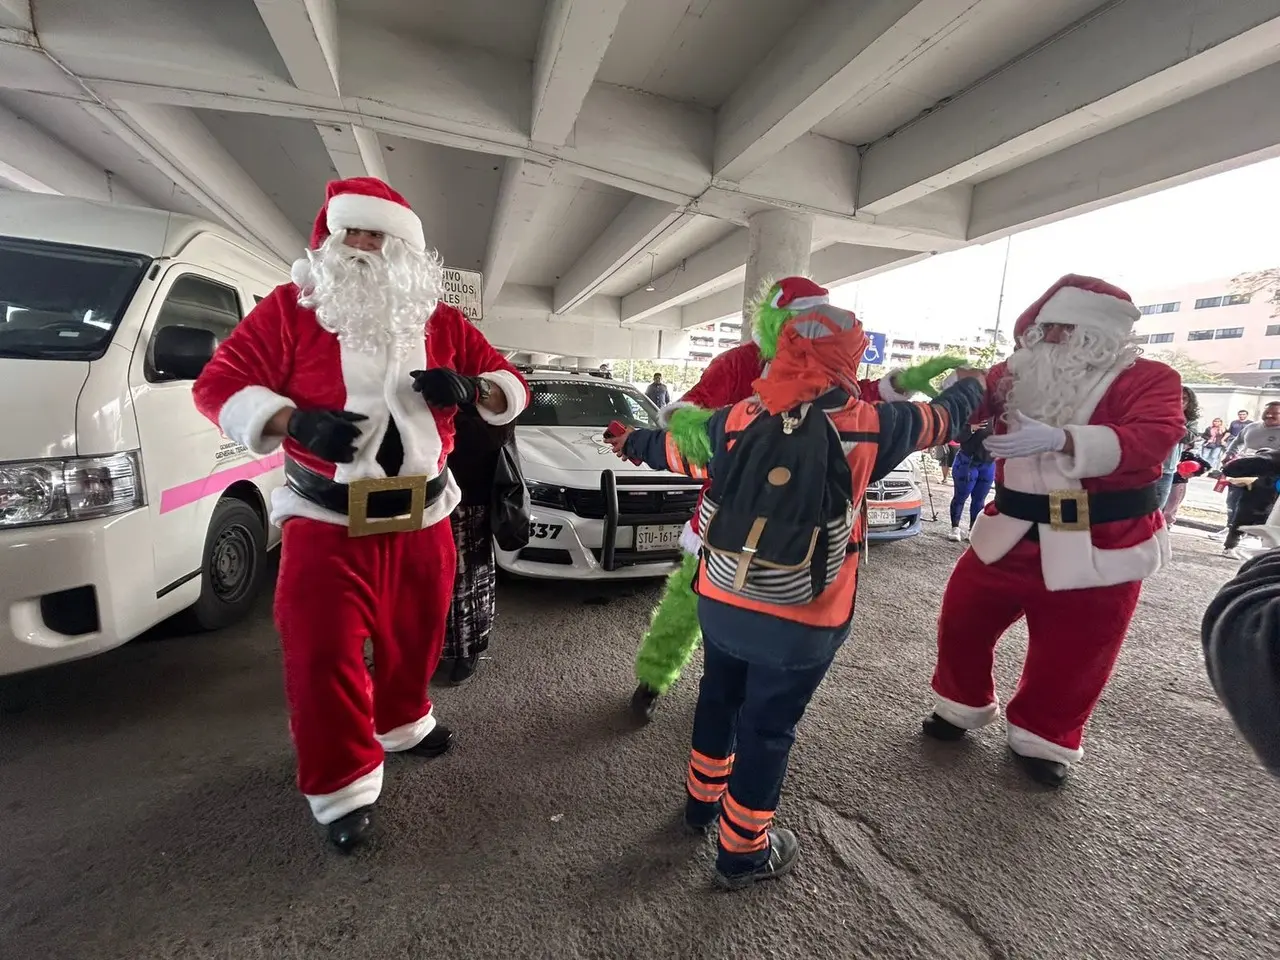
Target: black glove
(329,434)
(442,387)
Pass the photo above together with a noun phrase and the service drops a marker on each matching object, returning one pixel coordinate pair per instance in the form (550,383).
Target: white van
(120,505)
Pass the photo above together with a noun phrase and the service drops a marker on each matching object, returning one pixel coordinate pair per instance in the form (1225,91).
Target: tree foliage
(1260,281)
(1189,368)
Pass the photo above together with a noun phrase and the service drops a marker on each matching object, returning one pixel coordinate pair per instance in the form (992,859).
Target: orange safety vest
(859,425)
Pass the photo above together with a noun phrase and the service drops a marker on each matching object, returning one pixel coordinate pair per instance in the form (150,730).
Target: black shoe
(644,702)
(349,831)
(699,816)
(435,743)
(463,669)
(784,848)
(940,729)
(1051,773)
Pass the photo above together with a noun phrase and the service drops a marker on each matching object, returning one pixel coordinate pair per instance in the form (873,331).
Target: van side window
(194,301)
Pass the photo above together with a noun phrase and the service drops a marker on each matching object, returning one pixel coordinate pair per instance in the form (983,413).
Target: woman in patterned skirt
(473,462)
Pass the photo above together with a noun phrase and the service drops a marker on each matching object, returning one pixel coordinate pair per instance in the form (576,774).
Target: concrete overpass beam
(519,193)
(190,155)
(33,160)
(575,37)
(15,14)
(1224,128)
(642,222)
(780,245)
(1104,71)
(841,53)
(718,266)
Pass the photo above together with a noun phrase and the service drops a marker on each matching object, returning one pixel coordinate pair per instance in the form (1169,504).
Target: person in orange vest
(782,530)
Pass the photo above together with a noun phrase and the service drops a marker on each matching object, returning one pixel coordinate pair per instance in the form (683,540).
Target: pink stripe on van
(189,493)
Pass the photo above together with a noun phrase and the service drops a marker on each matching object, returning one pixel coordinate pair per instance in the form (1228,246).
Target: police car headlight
(59,491)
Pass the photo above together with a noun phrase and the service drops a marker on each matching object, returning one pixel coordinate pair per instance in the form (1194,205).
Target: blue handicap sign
(875,348)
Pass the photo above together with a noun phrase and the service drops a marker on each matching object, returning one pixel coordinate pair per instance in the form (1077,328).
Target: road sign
(875,353)
(462,290)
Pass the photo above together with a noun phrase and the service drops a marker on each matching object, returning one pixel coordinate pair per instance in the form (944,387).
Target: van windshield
(59,302)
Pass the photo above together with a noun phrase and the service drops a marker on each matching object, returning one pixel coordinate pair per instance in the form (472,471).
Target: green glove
(918,379)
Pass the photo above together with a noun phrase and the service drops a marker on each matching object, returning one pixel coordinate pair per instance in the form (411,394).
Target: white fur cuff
(358,211)
(1097,452)
(245,414)
(360,792)
(963,715)
(407,736)
(1028,744)
(664,415)
(1084,308)
(517,397)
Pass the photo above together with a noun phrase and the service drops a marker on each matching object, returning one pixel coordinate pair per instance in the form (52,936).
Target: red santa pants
(1074,639)
(334,591)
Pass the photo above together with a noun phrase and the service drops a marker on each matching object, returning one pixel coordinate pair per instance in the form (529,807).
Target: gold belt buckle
(358,522)
(1078,497)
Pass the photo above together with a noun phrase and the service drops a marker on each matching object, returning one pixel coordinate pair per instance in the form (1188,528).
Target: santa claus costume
(673,631)
(357,369)
(1083,426)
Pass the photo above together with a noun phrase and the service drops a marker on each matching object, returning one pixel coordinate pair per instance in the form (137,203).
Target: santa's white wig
(371,299)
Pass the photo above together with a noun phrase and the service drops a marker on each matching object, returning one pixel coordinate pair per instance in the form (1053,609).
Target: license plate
(882,517)
(658,537)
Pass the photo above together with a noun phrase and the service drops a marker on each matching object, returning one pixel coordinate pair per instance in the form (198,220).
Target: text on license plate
(658,537)
(881,517)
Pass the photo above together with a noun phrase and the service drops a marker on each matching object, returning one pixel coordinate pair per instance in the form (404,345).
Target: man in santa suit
(673,631)
(357,368)
(1082,427)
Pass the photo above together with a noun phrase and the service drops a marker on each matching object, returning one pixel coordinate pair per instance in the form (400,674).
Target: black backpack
(777,518)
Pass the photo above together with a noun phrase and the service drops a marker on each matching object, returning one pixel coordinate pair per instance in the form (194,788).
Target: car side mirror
(182,352)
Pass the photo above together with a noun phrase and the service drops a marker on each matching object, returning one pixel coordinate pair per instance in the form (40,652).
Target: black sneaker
(1050,773)
(784,848)
(940,729)
(351,830)
(434,744)
(700,816)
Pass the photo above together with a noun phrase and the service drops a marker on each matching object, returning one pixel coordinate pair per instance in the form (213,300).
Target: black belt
(394,499)
(1076,509)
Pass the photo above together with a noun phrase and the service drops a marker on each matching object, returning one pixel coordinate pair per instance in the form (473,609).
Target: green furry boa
(673,632)
(688,428)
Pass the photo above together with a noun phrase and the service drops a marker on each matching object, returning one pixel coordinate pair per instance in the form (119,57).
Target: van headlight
(58,491)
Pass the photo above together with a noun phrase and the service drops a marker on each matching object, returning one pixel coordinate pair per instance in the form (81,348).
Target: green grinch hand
(918,379)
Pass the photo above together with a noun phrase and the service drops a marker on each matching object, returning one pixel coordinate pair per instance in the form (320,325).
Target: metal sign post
(462,290)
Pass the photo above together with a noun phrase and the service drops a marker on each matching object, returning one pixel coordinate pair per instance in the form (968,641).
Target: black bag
(778,515)
(509,504)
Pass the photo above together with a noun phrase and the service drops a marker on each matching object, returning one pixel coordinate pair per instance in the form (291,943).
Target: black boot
(1051,773)
(940,729)
(349,831)
(435,743)
(463,669)
(644,702)
(784,848)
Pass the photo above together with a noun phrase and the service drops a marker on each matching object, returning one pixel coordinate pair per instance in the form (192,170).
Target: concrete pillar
(539,359)
(780,241)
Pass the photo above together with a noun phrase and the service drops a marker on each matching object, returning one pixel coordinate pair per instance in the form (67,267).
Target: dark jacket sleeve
(656,448)
(906,427)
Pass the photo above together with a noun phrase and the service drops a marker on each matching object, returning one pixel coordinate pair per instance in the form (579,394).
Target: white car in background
(594,516)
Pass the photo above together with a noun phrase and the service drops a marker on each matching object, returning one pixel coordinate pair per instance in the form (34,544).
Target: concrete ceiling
(580,151)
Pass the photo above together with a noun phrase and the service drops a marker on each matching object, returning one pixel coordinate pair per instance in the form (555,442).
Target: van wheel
(231,571)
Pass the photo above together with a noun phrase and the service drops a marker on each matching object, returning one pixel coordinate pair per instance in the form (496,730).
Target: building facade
(1234,335)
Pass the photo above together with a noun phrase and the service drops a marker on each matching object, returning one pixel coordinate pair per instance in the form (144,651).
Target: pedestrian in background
(973,473)
(1214,440)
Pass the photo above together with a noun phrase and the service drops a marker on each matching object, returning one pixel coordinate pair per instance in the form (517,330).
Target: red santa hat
(798,293)
(1081,302)
(361,203)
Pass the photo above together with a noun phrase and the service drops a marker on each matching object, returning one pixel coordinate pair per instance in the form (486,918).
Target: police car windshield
(586,403)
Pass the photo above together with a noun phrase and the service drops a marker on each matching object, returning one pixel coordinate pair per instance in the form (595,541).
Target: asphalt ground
(149,809)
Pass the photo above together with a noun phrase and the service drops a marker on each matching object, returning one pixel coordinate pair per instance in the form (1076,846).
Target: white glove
(1027,438)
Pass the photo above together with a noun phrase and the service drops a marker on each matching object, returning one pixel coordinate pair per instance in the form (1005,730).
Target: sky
(1216,227)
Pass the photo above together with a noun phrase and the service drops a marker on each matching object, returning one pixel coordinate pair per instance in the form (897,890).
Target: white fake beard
(373,300)
(1049,381)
